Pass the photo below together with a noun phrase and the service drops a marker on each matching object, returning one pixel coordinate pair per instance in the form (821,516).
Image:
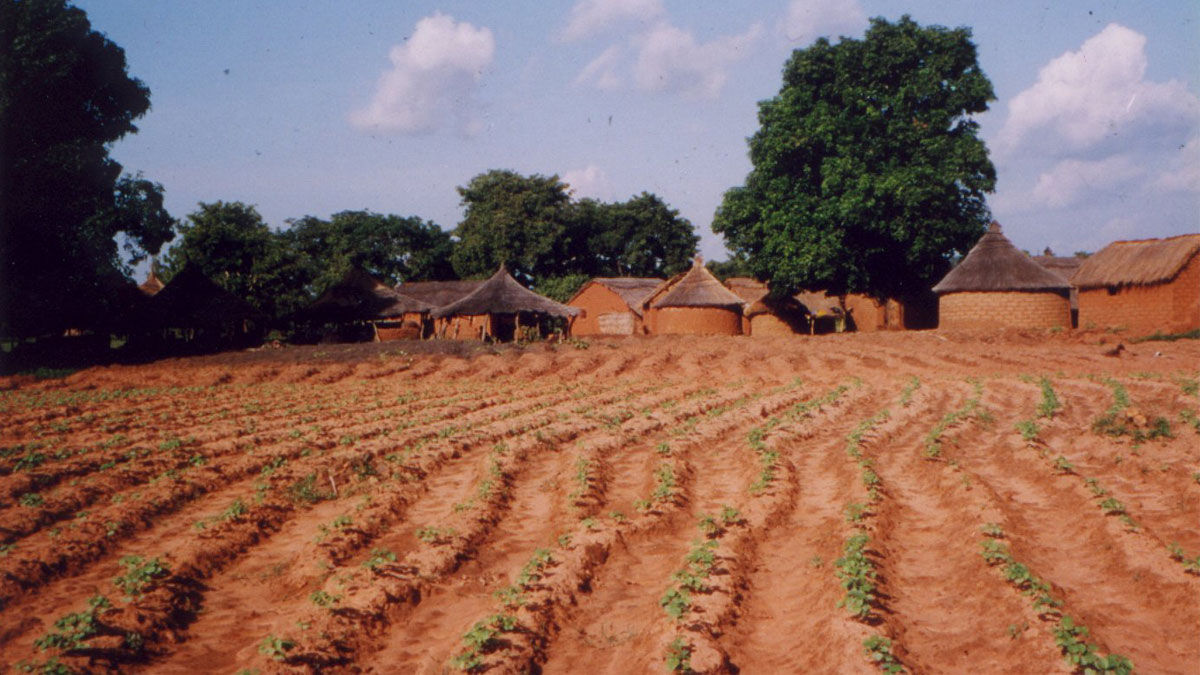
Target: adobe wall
(770,325)
(868,314)
(1004,309)
(597,301)
(695,321)
(1141,310)
(461,327)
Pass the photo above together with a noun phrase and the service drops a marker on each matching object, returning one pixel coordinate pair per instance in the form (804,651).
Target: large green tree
(868,171)
(233,246)
(65,97)
(530,224)
(390,247)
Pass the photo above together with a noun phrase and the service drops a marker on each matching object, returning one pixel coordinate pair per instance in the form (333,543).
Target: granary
(1065,267)
(361,300)
(1145,286)
(498,309)
(764,315)
(199,310)
(997,285)
(693,303)
(611,306)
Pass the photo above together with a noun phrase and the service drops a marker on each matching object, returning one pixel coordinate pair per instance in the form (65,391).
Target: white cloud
(670,59)
(589,17)
(1181,172)
(590,181)
(806,20)
(1072,180)
(602,71)
(433,78)
(1097,93)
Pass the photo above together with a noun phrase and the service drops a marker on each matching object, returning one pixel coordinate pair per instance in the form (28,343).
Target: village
(1136,288)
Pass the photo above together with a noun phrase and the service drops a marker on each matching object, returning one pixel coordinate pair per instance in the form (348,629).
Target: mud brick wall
(596,300)
(1169,308)
(1007,309)
(694,321)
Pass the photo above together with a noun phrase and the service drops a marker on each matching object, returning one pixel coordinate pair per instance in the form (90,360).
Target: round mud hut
(362,307)
(998,286)
(693,303)
(764,315)
(498,309)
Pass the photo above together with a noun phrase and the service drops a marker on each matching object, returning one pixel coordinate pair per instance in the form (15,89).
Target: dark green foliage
(65,97)
(530,224)
(868,170)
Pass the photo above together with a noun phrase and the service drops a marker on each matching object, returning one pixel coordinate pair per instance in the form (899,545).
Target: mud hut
(1145,286)
(360,300)
(611,306)
(997,285)
(1065,267)
(194,309)
(498,309)
(693,303)
(764,315)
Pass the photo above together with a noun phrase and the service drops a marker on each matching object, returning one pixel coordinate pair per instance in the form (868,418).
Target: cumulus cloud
(806,20)
(590,17)
(1072,180)
(1086,97)
(433,78)
(670,59)
(1181,171)
(590,181)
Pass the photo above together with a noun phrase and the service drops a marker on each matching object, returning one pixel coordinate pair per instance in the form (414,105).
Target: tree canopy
(530,224)
(868,172)
(65,97)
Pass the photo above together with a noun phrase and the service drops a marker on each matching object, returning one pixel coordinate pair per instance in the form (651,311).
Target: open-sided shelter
(360,299)
(693,303)
(611,306)
(1146,285)
(497,309)
(997,285)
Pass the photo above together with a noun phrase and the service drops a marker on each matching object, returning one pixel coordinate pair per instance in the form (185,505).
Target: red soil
(362,505)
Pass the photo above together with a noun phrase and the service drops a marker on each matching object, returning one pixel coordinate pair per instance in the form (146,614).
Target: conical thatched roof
(1137,263)
(501,294)
(438,293)
(696,288)
(192,300)
(994,264)
(633,291)
(361,297)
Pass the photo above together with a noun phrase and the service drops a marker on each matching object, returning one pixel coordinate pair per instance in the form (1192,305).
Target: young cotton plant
(858,576)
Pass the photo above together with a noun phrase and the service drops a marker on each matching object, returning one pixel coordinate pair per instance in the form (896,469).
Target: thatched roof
(438,293)
(820,303)
(1138,263)
(192,300)
(633,291)
(1063,266)
(758,300)
(152,285)
(361,297)
(994,264)
(501,294)
(695,288)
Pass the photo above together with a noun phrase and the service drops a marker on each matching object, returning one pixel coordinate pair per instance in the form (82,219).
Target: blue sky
(309,108)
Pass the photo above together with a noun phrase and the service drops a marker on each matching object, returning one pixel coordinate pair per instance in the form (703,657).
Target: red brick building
(1144,286)
(998,286)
